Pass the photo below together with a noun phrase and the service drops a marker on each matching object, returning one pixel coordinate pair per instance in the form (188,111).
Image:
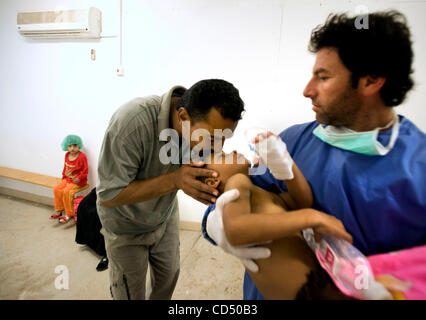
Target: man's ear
(183,115)
(370,85)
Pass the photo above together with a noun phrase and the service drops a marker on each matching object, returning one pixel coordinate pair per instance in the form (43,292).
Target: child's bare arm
(242,226)
(299,193)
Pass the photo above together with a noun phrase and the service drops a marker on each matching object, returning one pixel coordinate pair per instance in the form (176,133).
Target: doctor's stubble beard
(342,110)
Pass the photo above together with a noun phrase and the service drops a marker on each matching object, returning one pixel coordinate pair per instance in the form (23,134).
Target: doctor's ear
(370,85)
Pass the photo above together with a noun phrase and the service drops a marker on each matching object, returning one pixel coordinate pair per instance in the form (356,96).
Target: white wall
(50,88)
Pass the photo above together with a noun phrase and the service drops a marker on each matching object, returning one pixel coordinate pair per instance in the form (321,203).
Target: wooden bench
(29,177)
(50,182)
(32,178)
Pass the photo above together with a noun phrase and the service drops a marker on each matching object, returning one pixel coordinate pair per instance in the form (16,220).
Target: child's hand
(329,225)
(76,180)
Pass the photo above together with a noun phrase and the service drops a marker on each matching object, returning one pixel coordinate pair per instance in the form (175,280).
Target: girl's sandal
(64,219)
(56,215)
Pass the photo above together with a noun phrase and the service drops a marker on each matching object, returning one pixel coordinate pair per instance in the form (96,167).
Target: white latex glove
(272,152)
(215,230)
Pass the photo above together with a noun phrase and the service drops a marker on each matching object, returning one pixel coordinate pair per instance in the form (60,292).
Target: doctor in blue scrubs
(365,163)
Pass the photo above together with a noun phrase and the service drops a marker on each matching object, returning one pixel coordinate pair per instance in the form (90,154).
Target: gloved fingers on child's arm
(214,224)
(227,197)
(250,252)
(255,244)
(250,265)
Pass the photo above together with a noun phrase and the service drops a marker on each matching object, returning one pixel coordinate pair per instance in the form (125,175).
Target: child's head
(72,142)
(226,165)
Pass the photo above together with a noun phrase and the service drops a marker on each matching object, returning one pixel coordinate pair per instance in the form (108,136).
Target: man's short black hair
(382,49)
(206,94)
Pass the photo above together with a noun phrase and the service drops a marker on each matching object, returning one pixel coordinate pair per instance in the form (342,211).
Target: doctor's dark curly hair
(382,49)
(206,94)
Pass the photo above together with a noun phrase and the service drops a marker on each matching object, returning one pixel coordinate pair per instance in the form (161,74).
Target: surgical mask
(359,142)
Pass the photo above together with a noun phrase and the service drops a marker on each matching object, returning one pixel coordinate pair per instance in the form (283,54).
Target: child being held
(259,216)
(74,178)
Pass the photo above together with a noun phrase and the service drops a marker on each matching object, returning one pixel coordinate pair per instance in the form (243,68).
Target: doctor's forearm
(299,190)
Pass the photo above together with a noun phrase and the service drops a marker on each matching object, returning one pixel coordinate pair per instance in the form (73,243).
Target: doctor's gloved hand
(215,230)
(272,153)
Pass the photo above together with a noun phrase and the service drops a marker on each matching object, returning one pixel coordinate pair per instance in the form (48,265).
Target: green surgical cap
(71,139)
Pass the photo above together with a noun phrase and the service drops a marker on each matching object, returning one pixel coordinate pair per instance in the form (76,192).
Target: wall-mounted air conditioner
(76,24)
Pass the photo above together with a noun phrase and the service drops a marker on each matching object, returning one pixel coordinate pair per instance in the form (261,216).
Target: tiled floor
(32,247)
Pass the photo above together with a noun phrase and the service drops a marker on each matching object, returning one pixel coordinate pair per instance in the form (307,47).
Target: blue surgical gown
(381,200)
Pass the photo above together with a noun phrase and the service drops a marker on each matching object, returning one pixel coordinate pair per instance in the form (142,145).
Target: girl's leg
(70,190)
(68,198)
(58,192)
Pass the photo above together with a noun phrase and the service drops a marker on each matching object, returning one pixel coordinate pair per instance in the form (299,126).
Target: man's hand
(215,230)
(76,180)
(185,178)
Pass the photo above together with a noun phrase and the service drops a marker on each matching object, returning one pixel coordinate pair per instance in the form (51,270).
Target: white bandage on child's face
(273,154)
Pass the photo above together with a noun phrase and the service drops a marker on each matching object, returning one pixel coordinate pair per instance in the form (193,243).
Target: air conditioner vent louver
(77,24)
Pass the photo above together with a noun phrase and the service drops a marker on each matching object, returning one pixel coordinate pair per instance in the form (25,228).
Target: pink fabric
(408,265)
(76,203)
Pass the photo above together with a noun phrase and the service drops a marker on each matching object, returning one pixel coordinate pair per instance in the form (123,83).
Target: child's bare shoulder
(239,180)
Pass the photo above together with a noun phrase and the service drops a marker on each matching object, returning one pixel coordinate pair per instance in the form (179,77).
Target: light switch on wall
(120,71)
(93,54)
